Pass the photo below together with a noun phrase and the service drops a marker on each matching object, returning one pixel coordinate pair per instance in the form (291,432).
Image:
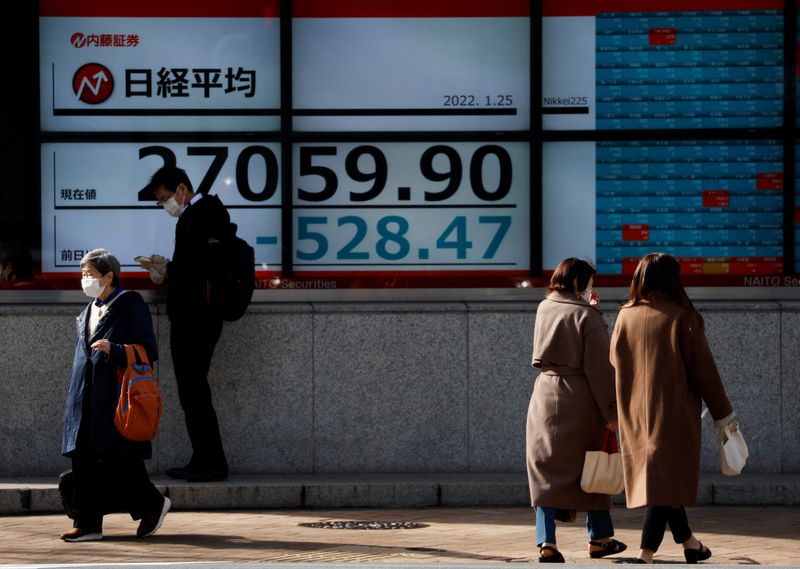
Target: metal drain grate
(363,525)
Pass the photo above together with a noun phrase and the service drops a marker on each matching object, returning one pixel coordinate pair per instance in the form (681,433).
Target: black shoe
(630,560)
(610,547)
(694,555)
(556,556)
(152,521)
(179,472)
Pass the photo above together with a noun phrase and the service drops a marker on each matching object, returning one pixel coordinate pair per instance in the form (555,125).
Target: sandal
(610,547)
(694,555)
(556,557)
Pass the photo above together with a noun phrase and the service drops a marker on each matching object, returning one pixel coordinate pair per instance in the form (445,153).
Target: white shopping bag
(733,451)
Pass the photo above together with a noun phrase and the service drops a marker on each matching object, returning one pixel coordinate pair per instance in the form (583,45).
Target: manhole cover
(363,525)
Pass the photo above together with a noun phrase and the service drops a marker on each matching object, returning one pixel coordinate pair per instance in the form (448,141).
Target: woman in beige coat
(573,403)
(664,368)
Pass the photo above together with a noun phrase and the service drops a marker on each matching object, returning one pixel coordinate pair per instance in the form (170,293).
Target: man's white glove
(157,268)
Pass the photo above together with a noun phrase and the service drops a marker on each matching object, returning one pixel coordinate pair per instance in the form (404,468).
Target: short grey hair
(103,262)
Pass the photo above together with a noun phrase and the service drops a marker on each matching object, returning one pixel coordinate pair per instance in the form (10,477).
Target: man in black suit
(194,287)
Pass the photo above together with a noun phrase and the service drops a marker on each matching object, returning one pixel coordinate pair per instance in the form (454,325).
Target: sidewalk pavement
(737,535)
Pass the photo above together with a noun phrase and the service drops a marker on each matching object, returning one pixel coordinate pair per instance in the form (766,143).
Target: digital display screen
(370,207)
(432,207)
(188,66)
(90,198)
(412,131)
(797,156)
(411,66)
(662,65)
(715,205)
(797,208)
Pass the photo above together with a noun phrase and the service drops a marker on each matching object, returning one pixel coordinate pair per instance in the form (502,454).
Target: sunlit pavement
(452,536)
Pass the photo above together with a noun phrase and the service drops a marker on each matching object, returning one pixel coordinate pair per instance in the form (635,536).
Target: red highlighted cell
(629,265)
(691,265)
(663,36)
(797,214)
(756,265)
(716,198)
(636,232)
(769,181)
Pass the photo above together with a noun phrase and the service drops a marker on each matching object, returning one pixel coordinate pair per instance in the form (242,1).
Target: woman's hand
(612,425)
(102,346)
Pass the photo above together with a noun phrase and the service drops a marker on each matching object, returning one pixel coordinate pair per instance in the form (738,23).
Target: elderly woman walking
(108,472)
(573,403)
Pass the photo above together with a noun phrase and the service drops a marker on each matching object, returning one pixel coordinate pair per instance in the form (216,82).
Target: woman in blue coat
(108,472)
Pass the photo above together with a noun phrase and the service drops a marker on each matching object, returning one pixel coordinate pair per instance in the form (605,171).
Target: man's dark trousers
(193,337)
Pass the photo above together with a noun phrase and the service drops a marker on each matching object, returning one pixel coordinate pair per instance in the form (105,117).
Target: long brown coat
(664,368)
(573,399)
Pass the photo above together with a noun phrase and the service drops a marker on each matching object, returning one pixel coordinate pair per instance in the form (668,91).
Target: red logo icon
(93,83)
(78,40)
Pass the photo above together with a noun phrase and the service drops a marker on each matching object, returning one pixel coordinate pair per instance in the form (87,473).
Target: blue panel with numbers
(717,205)
(704,69)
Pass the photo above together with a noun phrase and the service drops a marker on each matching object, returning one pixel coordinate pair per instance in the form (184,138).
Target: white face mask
(173,207)
(91,287)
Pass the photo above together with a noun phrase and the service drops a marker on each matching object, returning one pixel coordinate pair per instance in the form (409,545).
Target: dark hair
(103,262)
(659,273)
(170,177)
(567,271)
(19,257)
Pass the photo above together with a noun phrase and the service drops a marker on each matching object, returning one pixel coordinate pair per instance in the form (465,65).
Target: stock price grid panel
(698,69)
(637,65)
(715,205)
(797,208)
(797,154)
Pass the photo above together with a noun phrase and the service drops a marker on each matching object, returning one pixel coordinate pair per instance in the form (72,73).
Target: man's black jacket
(194,276)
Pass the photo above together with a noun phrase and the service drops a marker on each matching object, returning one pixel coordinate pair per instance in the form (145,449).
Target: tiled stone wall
(382,387)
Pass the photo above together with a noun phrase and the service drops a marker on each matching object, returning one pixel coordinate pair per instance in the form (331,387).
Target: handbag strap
(133,352)
(610,442)
(138,355)
(727,432)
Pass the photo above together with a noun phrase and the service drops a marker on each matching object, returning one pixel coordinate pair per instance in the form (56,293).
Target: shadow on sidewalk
(237,542)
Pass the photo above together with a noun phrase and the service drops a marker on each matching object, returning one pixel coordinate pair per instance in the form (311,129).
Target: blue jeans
(598,525)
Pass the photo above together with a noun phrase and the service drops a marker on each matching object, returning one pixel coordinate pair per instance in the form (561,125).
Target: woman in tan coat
(664,369)
(573,403)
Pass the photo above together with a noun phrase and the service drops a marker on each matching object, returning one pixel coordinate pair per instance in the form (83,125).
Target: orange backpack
(139,406)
